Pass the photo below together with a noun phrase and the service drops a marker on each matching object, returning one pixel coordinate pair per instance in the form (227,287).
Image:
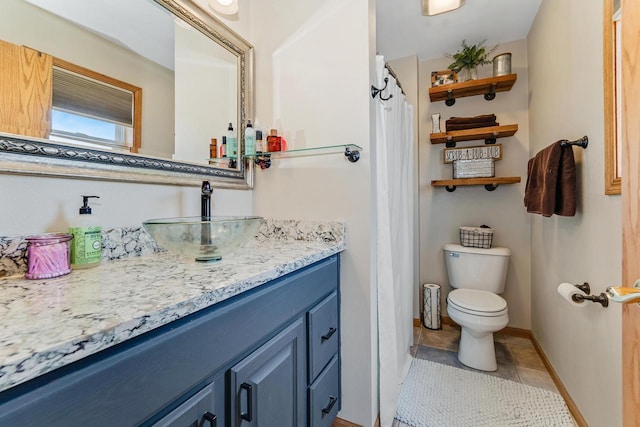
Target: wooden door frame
(630,209)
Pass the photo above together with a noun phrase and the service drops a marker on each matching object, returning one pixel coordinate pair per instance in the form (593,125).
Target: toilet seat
(477,302)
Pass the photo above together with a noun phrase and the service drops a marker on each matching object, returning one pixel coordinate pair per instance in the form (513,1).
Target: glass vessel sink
(203,241)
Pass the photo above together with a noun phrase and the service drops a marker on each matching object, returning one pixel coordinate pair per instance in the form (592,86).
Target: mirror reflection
(214,70)
(120,75)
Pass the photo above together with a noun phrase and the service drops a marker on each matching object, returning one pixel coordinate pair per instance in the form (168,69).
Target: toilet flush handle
(454,254)
(624,295)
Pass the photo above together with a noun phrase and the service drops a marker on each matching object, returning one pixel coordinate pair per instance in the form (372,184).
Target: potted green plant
(468,58)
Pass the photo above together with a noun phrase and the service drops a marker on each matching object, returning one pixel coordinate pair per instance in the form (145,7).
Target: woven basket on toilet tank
(476,237)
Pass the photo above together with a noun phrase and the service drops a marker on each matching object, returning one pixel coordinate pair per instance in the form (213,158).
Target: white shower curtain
(395,233)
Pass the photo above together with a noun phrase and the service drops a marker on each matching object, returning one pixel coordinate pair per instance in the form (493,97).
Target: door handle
(624,295)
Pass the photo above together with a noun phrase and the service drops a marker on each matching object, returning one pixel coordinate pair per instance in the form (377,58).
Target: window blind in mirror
(85,96)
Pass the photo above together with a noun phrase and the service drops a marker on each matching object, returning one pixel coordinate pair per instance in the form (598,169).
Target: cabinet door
(198,411)
(25,99)
(268,386)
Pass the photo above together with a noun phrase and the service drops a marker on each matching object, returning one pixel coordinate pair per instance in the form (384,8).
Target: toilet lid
(475,301)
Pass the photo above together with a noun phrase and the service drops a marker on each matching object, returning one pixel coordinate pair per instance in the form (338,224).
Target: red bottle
(274,142)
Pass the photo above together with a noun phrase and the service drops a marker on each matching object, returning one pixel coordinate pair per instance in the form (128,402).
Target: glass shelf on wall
(350,151)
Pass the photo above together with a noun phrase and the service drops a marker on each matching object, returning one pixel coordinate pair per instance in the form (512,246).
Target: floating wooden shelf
(488,134)
(487,87)
(489,183)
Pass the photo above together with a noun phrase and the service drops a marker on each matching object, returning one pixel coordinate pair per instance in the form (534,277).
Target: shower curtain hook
(375,91)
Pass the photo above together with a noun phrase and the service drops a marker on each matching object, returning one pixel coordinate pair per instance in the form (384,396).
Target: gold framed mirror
(221,49)
(611,64)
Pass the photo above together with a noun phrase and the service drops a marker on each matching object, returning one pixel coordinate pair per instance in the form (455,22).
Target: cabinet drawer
(199,411)
(324,396)
(323,334)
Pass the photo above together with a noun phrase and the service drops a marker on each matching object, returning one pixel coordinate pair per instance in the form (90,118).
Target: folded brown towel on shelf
(474,119)
(462,126)
(551,182)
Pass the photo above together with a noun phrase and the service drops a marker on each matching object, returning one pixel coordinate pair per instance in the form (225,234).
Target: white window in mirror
(92,132)
(93,110)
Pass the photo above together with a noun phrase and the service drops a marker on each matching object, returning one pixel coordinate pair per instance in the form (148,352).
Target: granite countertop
(49,323)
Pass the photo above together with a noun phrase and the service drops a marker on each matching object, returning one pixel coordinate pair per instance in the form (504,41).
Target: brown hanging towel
(551,182)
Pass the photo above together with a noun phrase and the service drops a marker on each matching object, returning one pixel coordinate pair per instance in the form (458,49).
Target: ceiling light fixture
(435,7)
(224,7)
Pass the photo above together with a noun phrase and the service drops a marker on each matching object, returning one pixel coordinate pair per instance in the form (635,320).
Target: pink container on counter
(48,255)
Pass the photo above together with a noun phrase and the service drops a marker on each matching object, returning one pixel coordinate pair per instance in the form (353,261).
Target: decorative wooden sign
(491,151)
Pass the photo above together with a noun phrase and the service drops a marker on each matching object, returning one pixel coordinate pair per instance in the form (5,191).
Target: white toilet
(478,276)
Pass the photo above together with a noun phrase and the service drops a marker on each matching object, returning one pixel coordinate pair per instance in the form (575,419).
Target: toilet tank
(475,268)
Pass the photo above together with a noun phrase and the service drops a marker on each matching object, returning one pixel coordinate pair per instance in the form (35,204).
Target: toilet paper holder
(600,299)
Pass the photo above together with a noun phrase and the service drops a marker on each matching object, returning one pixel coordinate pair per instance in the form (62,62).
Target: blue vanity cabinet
(245,357)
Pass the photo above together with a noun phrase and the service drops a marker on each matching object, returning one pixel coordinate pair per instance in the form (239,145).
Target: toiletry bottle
(259,142)
(274,142)
(213,148)
(232,142)
(86,246)
(223,147)
(249,140)
(265,138)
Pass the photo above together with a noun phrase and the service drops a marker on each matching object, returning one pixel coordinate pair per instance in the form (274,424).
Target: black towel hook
(375,91)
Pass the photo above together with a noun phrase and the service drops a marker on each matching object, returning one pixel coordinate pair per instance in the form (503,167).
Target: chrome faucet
(205,210)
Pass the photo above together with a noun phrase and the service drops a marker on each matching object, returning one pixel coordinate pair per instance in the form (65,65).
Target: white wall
(441,212)
(37,204)
(313,67)
(566,101)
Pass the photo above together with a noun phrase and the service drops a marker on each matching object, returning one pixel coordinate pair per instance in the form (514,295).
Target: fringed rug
(436,395)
